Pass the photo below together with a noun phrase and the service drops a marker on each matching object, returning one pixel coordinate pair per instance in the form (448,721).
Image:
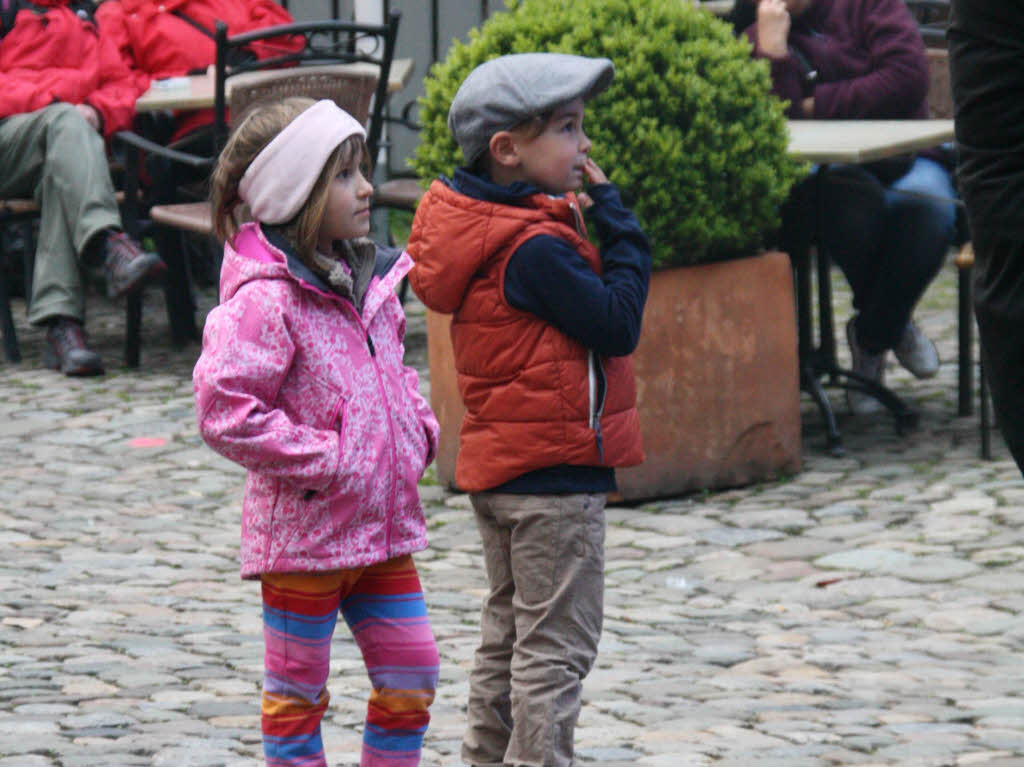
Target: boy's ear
(503,149)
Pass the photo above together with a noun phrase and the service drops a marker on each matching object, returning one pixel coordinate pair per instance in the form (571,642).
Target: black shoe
(128,266)
(68,351)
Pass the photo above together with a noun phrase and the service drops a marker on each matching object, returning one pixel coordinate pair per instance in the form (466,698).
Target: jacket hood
(455,233)
(251,256)
(258,253)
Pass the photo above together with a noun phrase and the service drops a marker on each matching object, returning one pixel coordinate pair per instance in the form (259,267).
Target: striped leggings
(384,609)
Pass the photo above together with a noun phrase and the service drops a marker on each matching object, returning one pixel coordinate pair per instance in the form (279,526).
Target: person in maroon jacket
(64,89)
(888,225)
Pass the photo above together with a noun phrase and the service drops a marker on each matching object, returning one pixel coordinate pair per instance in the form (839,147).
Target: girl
(301,381)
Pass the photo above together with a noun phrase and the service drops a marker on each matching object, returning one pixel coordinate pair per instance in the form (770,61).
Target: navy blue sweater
(547,277)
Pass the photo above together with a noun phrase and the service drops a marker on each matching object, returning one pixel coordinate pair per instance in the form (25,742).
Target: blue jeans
(889,240)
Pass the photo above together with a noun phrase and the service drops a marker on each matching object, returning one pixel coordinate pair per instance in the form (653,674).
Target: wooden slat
(18,207)
(190,216)
(402,193)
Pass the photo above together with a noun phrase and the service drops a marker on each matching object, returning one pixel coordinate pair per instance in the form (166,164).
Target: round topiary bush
(688,130)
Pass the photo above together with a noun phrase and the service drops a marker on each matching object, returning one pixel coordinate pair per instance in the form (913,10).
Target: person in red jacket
(64,89)
(173,38)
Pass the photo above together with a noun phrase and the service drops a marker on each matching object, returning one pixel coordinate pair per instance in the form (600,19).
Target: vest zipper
(577,218)
(596,403)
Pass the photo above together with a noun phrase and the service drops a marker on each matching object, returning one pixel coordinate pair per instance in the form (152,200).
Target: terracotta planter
(717,379)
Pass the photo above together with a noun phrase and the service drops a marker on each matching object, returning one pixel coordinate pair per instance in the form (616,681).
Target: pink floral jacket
(315,401)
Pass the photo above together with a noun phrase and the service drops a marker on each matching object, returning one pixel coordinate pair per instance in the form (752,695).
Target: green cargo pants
(54,156)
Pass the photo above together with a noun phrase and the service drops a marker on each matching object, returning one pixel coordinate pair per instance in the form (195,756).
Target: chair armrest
(138,142)
(405,119)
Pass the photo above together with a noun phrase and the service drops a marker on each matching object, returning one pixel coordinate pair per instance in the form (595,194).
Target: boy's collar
(482,187)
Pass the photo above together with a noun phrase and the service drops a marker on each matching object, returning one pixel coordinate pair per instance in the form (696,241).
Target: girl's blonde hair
(260,125)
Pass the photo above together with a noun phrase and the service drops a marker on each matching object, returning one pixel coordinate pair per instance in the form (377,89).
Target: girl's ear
(504,150)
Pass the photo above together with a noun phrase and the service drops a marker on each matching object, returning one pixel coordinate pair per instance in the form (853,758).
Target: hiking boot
(917,353)
(68,351)
(128,267)
(868,365)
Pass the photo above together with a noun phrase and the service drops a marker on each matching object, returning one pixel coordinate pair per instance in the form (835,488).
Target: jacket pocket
(297,510)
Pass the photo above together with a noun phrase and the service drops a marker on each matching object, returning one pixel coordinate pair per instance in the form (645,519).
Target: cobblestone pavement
(867,611)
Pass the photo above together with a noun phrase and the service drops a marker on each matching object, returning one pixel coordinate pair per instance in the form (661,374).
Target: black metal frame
(932,17)
(12,351)
(325,42)
(818,361)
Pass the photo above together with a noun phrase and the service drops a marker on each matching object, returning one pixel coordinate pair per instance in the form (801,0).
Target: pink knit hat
(279,179)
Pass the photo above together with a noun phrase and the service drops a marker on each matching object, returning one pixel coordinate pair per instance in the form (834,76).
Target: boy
(543,325)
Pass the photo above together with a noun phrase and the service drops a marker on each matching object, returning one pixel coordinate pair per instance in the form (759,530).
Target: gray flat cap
(506,91)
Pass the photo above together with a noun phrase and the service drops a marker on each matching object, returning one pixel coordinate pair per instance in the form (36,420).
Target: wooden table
(196,91)
(859,141)
(826,142)
(717,7)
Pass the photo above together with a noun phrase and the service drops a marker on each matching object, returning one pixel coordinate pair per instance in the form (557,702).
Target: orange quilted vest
(530,391)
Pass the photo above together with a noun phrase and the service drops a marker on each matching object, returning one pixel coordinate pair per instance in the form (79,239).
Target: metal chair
(311,69)
(15,212)
(23,212)
(932,17)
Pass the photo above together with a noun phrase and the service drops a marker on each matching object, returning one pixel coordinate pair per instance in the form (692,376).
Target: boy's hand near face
(594,175)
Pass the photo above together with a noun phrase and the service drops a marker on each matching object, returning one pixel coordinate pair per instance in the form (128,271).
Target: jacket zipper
(594,370)
(389,511)
(577,218)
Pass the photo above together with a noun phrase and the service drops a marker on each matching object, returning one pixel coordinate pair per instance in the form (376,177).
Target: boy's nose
(585,143)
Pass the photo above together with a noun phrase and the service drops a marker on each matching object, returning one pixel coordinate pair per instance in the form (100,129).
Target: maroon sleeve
(787,78)
(898,85)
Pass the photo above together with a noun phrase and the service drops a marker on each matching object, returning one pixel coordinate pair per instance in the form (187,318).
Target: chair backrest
(307,45)
(932,17)
(351,90)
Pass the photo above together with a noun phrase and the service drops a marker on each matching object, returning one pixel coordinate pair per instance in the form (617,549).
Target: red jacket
(155,42)
(531,392)
(50,54)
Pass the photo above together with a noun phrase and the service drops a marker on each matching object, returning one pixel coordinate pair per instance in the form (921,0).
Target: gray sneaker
(917,353)
(128,266)
(870,366)
(67,349)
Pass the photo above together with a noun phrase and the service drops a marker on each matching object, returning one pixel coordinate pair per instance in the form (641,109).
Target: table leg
(817,361)
(799,245)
